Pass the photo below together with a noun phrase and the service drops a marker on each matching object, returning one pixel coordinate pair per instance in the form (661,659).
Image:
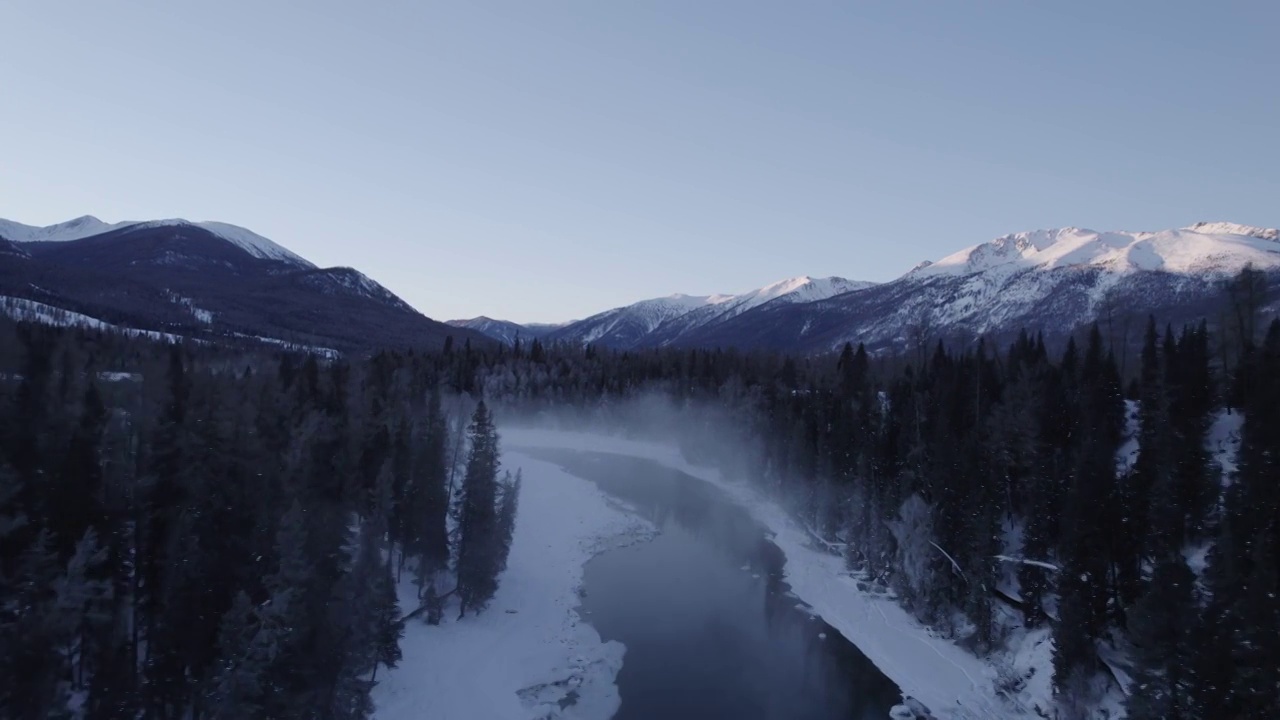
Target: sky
(542,161)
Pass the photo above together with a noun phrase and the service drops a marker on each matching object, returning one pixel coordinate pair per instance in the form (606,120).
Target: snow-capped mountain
(505,331)
(88,226)
(803,289)
(628,326)
(1053,281)
(206,280)
(670,320)
(81,227)
(1201,248)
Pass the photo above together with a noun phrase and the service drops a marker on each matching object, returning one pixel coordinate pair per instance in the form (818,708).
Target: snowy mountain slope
(81,227)
(662,321)
(1053,281)
(246,240)
(88,226)
(1203,248)
(345,281)
(797,290)
(24,310)
(627,326)
(228,281)
(506,331)
(12,250)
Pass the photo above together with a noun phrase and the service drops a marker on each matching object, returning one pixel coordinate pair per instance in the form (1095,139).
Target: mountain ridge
(665,320)
(1054,280)
(87,226)
(205,280)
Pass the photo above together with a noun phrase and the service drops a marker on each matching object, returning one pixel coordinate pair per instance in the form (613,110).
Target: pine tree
(285,623)
(1085,583)
(478,562)
(428,539)
(1152,467)
(1195,489)
(245,652)
(34,664)
(364,627)
(1163,625)
(80,477)
(508,506)
(1243,615)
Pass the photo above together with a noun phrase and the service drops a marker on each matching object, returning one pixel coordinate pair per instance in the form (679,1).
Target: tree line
(202,532)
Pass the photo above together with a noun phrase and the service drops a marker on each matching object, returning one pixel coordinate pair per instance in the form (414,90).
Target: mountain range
(1050,281)
(215,280)
(202,280)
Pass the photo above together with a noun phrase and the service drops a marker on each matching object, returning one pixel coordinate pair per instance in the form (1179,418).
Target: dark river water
(711,628)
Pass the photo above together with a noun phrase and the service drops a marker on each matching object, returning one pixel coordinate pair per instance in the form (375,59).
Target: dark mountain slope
(190,280)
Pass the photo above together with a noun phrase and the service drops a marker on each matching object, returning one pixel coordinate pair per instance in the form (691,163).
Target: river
(710,626)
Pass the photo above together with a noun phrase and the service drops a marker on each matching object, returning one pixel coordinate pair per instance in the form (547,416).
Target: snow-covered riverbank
(529,655)
(950,681)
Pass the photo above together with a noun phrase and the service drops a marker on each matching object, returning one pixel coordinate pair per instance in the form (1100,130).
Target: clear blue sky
(540,161)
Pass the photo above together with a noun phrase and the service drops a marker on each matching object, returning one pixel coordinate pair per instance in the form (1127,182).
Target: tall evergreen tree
(1163,624)
(508,500)
(479,548)
(427,536)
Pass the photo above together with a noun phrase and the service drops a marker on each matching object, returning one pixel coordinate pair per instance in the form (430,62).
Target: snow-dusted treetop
(1213,248)
(89,226)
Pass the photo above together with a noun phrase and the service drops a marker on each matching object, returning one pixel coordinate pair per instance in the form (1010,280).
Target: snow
(1224,441)
(201,315)
(247,240)
(109,376)
(1127,455)
(89,226)
(345,280)
(647,315)
(1228,228)
(1216,248)
(950,681)
(798,290)
(81,227)
(22,309)
(692,311)
(530,652)
(1025,561)
(328,353)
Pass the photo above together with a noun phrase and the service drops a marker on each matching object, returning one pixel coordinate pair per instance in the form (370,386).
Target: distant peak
(245,239)
(1229,228)
(1205,247)
(74,229)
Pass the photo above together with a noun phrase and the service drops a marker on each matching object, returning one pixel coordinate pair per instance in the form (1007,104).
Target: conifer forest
(195,531)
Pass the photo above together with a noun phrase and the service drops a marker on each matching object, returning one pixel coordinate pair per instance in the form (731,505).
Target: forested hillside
(194,532)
